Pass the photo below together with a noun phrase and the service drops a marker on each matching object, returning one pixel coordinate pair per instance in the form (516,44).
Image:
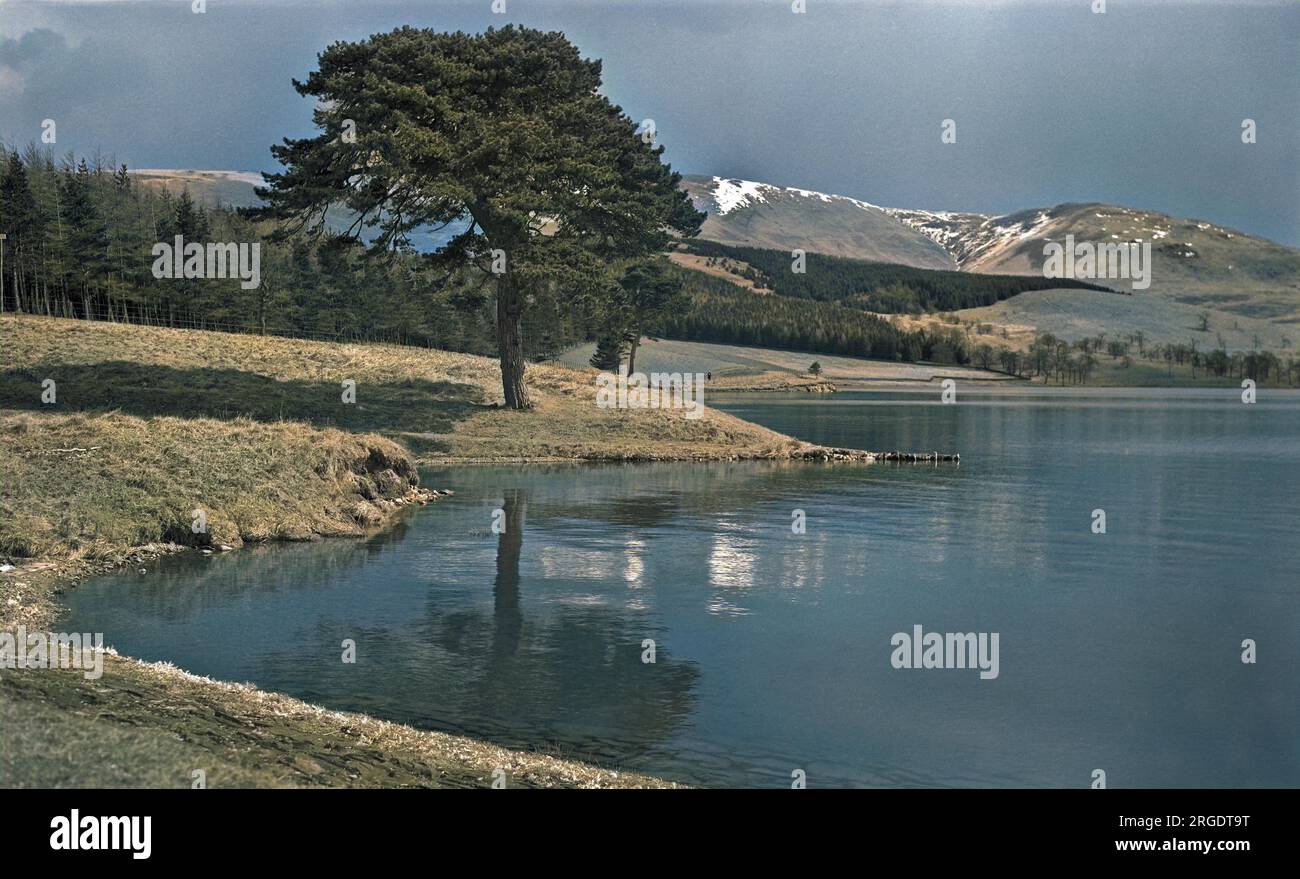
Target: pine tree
(20,220)
(87,234)
(188,223)
(608,354)
(646,294)
(506,131)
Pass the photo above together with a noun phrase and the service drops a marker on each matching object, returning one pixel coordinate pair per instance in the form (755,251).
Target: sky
(1141,105)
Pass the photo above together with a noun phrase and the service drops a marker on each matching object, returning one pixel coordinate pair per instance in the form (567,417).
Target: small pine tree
(187,218)
(815,369)
(609,353)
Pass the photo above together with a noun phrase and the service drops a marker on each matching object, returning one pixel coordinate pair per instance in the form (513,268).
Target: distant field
(727,270)
(234,189)
(231,188)
(726,361)
(1074,314)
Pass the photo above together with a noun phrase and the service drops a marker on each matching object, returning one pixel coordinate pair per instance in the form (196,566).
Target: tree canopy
(504,133)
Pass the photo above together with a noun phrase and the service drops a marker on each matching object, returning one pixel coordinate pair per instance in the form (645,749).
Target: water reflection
(507,617)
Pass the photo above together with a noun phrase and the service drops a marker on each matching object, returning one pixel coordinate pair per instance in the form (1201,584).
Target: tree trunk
(631,354)
(510,342)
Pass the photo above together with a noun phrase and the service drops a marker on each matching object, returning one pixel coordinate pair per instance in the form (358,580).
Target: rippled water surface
(1119,651)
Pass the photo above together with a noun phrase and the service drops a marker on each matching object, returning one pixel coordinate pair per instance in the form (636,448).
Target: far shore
(743,369)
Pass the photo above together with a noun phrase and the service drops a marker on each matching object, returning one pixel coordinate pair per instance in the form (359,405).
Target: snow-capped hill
(1193,261)
(754,214)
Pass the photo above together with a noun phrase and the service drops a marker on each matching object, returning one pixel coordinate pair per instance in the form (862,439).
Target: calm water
(1119,651)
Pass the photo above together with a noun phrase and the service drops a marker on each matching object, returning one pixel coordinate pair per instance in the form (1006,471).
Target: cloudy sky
(1141,106)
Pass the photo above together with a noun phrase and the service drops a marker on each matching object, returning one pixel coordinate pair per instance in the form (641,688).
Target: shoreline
(242,736)
(110,479)
(388,753)
(385,753)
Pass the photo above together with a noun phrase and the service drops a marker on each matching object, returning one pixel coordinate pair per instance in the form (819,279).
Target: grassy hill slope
(1194,262)
(736,367)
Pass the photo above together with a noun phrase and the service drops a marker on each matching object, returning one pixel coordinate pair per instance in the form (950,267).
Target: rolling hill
(235,189)
(1195,263)
(210,188)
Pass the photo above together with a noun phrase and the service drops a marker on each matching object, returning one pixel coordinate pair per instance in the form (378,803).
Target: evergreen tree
(87,234)
(20,220)
(646,293)
(188,222)
(608,354)
(506,131)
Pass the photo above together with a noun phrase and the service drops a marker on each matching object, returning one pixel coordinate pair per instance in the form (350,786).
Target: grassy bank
(441,406)
(86,486)
(84,493)
(741,368)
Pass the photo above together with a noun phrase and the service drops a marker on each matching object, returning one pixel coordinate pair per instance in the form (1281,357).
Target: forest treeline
(79,244)
(720,311)
(1075,362)
(874,286)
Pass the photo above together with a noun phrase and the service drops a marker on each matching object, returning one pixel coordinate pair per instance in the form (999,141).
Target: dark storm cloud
(30,48)
(1140,106)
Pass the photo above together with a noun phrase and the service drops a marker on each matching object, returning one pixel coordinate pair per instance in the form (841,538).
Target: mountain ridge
(1193,261)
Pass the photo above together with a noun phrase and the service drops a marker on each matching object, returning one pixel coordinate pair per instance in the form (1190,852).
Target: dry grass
(736,367)
(772,380)
(89,486)
(566,424)
(440,405)
(725,268)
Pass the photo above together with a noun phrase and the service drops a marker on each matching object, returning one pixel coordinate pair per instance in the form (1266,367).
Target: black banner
(331,829)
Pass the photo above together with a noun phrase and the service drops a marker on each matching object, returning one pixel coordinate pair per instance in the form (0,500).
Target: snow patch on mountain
(730,193)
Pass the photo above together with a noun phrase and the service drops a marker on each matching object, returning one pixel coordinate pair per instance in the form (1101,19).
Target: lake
(773,650)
